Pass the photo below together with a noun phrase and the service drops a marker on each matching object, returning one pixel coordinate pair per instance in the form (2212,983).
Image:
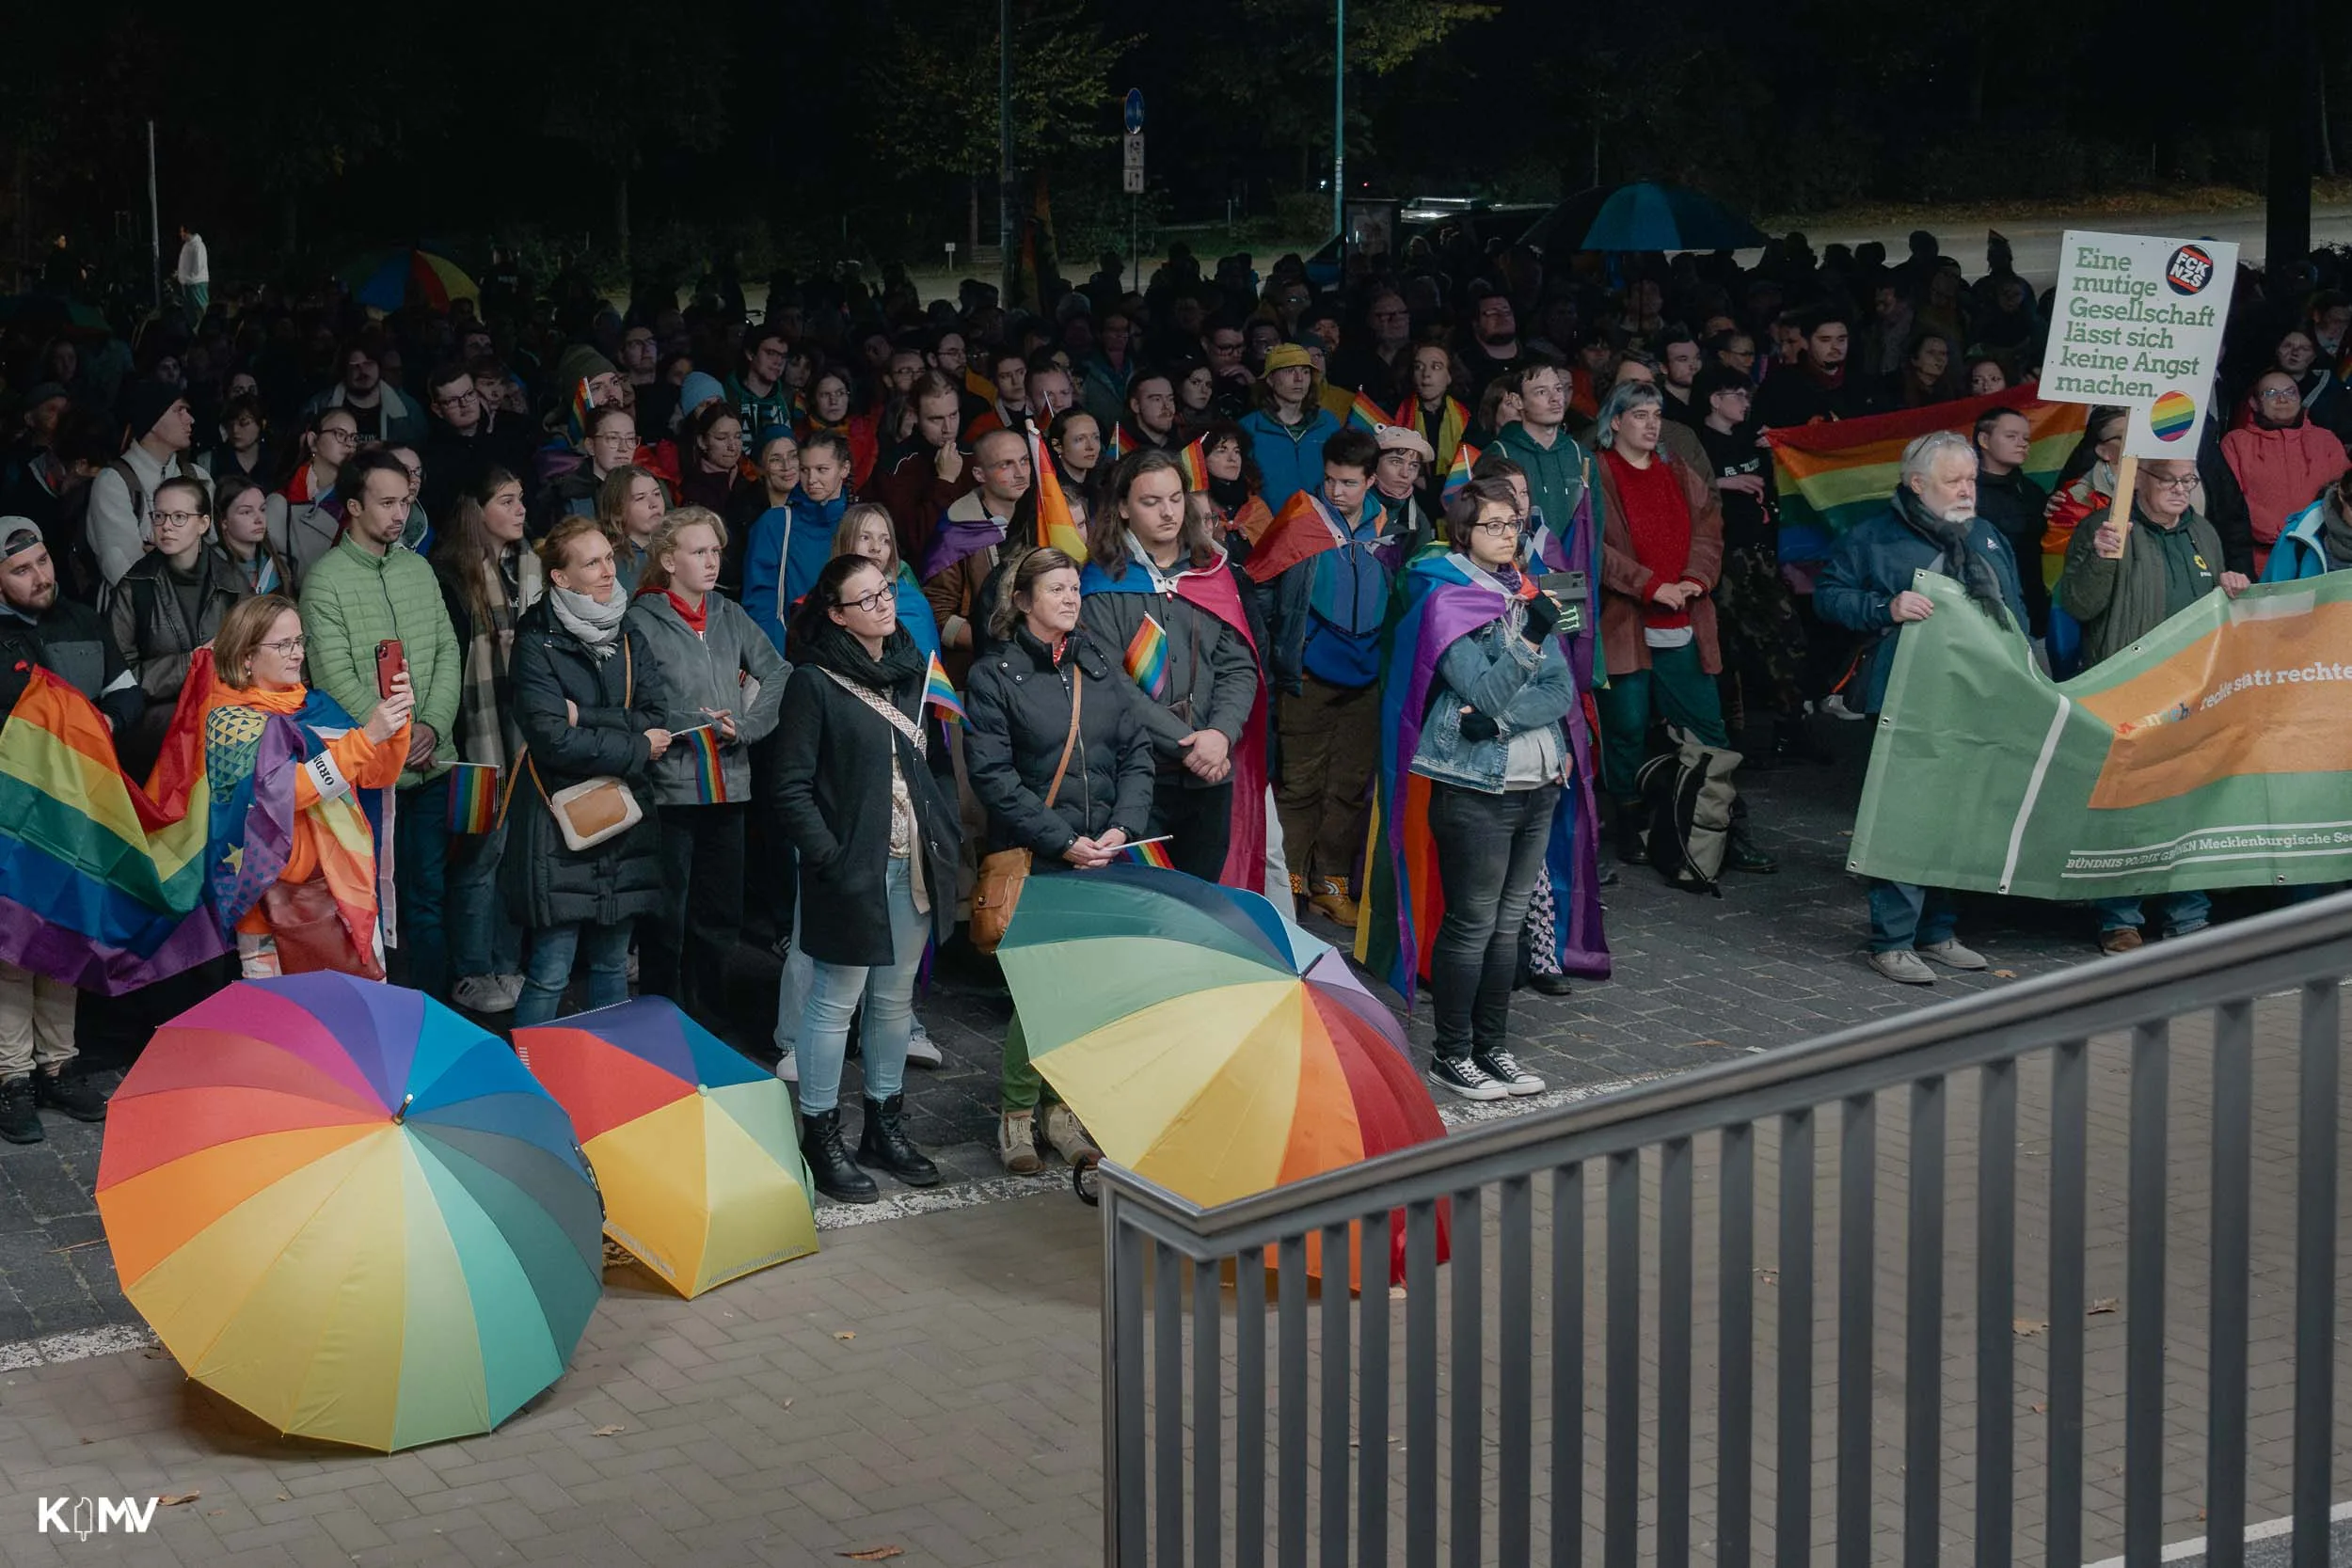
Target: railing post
(2315,1269)
(1123,1538)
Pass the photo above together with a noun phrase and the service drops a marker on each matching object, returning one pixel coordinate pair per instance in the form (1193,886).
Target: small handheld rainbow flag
(576,419)
(1056,526)
(1149,851)
(474,798)
(1465,459)
(1146,658)
(1194,461)
(710,774)
(1368,416)
(938,693)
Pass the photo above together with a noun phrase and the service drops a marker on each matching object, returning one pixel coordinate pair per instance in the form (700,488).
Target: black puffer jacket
(619,698)
(1019,705)
(833,796)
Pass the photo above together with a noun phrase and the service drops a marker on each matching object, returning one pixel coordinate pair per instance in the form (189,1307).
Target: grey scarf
(1962,559)
(596,624)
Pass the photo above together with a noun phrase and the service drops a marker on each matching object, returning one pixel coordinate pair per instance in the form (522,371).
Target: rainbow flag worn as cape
(710,774)
(474,798)
(1056,526)
(939,693)
(1404,899)
(101,889)
(1445,440)
(1211,591)
(1833,475)
(1304,529)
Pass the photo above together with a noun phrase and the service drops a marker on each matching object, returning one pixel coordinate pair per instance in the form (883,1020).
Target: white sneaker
(1016,1142)
(1067,1135)
(483,993)
(788,1069)
(1504,1069)
(1951,955)
(1835,706)
(511,984)
(922,1050)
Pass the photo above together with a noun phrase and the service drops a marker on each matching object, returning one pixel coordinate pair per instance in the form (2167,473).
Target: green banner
(2216,751)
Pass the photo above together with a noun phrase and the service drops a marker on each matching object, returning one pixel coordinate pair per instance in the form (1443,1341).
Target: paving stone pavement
(1776,961)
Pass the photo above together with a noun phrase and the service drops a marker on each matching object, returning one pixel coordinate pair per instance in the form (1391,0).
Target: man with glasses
(466,437)
(1865,587)
(1493,340)
(38,628)
(1222,344)
(385,413)
(2120,584)
(161,429)
(2281,462)
(1380,363)
(368,590)
(756,390)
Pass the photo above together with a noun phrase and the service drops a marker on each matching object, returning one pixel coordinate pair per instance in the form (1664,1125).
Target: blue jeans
(481,938)
(1904,915)
(793,987)
(888,993)
(2177,913)
(420,872)
(552,949)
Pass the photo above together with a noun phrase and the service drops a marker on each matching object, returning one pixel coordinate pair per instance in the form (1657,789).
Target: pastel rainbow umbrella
(350,1210)
(695,1146)
(1208,1042)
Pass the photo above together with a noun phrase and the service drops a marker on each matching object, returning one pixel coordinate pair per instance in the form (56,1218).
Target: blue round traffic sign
(1134,110)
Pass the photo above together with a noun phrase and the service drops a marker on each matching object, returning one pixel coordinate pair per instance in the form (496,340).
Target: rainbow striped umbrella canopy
(693,1144)
(347,1208)
(1206,1040)
(389,279)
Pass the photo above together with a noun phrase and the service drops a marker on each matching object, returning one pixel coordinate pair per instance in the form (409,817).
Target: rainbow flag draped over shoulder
(1056,526)
(1212,590)
(1833,475)
(1403,900)
(101,889)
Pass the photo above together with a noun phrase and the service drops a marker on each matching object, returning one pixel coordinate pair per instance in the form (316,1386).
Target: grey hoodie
(707,671)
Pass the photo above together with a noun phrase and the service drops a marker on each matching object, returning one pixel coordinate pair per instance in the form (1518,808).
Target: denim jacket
(1498,672)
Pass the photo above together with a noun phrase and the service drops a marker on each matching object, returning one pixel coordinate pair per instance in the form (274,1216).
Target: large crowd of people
(684,579)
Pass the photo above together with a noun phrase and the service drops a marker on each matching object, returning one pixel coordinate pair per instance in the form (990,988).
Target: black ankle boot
(1740,853)
(1631,825)
(829,1164)
(885,1144)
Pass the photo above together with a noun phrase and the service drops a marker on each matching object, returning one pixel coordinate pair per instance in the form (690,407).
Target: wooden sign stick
(2120,508)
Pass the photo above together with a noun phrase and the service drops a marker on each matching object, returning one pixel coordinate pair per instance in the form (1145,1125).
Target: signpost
(1132,179)
(2137,322)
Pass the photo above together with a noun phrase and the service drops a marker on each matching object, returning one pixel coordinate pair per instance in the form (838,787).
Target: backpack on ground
(1687,800)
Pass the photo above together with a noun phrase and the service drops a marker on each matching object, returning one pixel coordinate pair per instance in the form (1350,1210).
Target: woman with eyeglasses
(876,831)
(608,446)
(308,901)
(2086,483)
(306,516)
(2280,462)
(169,603)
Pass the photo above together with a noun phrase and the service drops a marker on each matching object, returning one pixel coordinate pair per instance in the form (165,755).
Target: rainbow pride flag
(474,798)
(1831,476)
(939,693)
(1465,459)
(101,889)
(576,416)
(702,752)
(1056,526)
(1153,853)
(1146,658)
(1194,461)
(1368,416)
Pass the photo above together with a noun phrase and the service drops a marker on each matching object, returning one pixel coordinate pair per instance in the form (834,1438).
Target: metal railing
(1942,1437)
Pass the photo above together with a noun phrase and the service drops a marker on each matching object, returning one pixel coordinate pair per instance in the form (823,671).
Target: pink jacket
(2282,471)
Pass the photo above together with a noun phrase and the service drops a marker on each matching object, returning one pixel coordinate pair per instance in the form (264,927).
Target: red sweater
(2282,471)
(1658,518)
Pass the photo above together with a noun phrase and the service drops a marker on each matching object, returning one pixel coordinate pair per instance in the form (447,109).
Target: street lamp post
(1339,118)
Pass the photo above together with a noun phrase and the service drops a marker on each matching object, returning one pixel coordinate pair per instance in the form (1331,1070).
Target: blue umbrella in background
(1649,216)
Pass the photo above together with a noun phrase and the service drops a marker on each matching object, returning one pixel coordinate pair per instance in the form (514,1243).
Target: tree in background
(623,92)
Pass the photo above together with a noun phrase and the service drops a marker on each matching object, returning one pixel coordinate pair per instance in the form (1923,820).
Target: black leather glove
(1477,726)
(1543,617)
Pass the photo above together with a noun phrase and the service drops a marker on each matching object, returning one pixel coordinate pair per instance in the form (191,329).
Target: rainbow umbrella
(347,1208)
(389,279)
(693,1144)
(1206,1041)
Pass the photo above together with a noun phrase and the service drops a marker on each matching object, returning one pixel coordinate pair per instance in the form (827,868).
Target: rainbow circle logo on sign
(2173,416)
(2190,270)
